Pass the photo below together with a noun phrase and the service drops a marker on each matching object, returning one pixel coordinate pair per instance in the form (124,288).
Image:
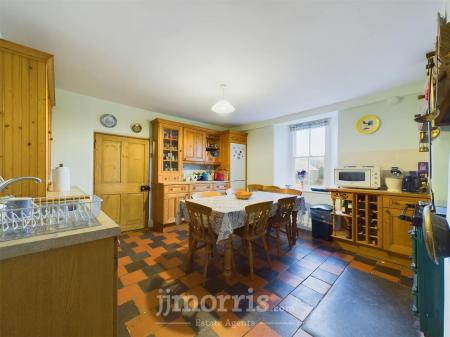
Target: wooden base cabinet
(166,199)
(68,291)
(367,222)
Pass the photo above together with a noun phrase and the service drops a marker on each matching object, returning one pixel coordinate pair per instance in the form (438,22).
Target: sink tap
(5,183)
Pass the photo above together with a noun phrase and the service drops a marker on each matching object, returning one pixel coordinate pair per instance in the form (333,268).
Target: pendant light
(223,106)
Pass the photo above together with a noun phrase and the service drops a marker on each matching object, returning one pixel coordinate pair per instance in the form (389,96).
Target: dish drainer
(48,215)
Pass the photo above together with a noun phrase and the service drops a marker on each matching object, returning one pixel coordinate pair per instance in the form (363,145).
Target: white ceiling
(276,57)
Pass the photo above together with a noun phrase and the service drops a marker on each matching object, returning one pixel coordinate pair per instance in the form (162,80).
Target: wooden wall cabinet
(228,137)
(167,151)
(27,95)
(194,144)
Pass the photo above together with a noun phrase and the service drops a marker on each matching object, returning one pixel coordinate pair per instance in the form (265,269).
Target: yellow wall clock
(368,124)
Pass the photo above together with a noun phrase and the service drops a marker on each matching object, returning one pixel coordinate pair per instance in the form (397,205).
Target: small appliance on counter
(219,176)
(358,177)
(394,182)
(411,183)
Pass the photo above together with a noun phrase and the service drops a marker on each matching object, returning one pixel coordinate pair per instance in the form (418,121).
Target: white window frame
(330,156)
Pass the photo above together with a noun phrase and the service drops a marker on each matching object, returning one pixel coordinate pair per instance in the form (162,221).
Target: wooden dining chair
(294,226)
(281,222)
(255,187)
(290,191)
(200,231)
(206,194)
(257,216)
(270,188)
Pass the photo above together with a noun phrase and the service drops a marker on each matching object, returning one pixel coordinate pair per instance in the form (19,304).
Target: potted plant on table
(301,175)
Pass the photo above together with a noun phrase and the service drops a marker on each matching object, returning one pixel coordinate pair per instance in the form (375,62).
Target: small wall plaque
(136,127)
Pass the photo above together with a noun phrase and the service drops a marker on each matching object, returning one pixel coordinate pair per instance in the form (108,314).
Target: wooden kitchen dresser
(27,95)
(175,144)
(367,222)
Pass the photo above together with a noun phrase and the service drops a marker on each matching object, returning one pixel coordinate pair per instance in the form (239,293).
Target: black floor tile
(300,270)
(307,295)
(152,270)
(138,256)
(215,285)
(361,304)
(152,283)
(280,288)
(131,267)
(266,273)
(282,322)
(325,276)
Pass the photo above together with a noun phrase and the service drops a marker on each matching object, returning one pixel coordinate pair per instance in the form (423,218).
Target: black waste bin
(322,223)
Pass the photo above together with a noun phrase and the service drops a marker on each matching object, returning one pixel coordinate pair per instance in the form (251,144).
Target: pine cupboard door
(396,238)
(24,122)
(194,145)
(170,144)
(171,204)
(121,169)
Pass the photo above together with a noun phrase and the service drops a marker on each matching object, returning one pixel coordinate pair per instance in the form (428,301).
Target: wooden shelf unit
(366,222)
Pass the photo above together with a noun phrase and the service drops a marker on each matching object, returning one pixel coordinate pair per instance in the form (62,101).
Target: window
(309,151)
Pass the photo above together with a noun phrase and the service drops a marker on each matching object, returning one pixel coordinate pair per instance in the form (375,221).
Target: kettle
(204,176)
(219,176)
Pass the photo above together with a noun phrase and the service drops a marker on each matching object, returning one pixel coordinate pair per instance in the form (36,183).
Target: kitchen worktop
(38,243)
(193,182)
(378,192)
(75,191)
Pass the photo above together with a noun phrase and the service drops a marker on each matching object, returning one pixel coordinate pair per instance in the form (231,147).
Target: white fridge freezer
(238,164)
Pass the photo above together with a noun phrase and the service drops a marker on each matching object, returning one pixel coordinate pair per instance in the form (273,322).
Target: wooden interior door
(121,166)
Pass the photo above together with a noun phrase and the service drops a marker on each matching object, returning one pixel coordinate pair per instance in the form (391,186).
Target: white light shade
(223,107)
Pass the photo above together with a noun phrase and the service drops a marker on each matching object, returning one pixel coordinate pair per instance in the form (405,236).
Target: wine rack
(343,215)
(356,218)
(367,219)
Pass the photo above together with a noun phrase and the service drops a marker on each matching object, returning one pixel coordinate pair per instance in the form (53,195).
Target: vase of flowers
(301,175)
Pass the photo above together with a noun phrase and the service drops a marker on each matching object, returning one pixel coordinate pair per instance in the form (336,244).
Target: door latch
(145,188)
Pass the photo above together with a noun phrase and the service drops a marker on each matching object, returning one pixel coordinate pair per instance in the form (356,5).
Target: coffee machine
(411,182)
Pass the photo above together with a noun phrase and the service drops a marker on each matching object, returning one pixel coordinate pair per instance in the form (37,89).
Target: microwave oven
(358,177)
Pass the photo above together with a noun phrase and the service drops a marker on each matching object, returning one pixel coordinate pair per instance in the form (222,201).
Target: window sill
(308,189)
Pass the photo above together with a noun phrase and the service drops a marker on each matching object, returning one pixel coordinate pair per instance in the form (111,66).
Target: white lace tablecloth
(229,212)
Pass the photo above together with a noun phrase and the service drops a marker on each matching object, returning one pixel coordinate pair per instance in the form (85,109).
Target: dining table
(228,214)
